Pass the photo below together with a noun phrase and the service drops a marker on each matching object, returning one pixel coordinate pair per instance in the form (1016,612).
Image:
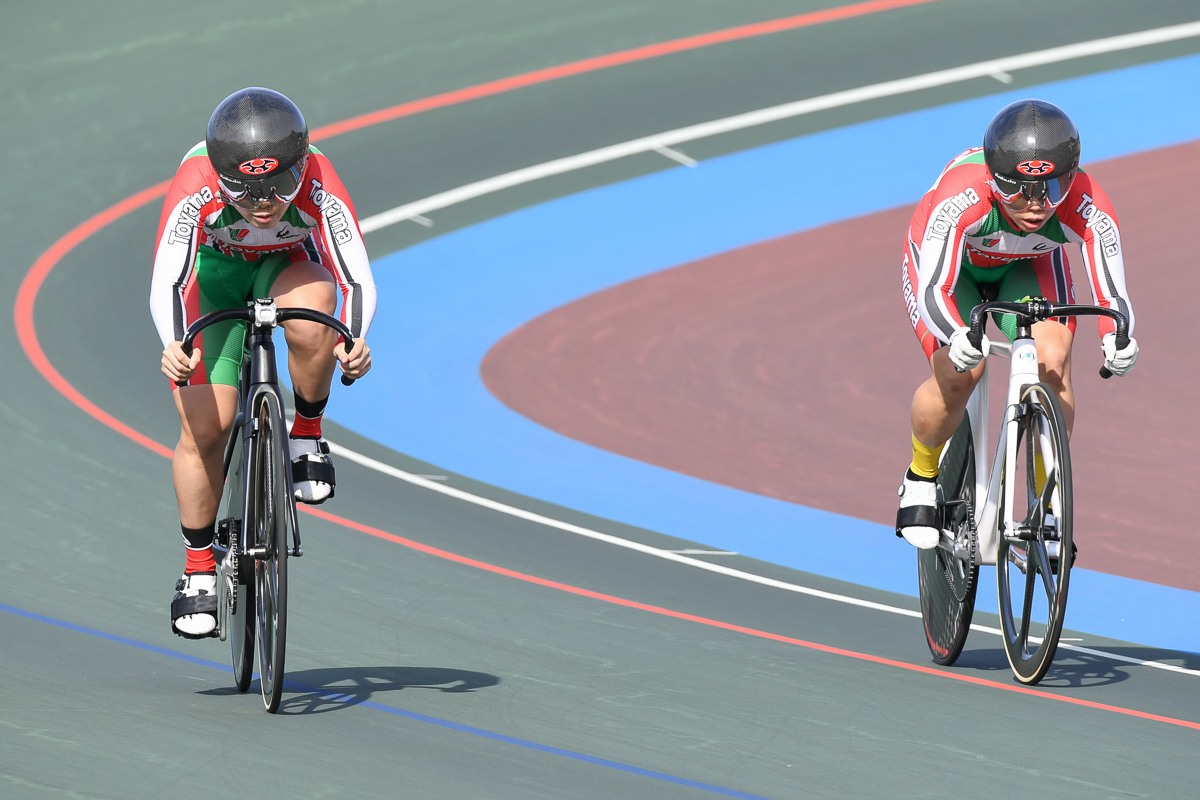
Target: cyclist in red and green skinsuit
(254,211)
(995,225)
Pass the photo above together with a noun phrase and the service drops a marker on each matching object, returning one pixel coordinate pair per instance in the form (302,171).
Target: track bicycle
(258,507)
(1017,516)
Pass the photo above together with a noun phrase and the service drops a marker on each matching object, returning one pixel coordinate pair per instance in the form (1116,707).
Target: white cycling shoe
(312,470)
(194,609)
(917,518)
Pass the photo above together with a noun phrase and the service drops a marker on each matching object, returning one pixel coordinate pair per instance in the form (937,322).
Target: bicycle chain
(970,577)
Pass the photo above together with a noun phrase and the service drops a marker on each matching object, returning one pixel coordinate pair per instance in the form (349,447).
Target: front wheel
(1034,557)
(269,536)
(948,574)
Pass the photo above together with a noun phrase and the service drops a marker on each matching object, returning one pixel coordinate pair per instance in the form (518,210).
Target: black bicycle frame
(258,383)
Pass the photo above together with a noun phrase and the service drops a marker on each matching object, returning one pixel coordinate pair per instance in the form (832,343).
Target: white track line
(678,557)
(520,513)
(996,68)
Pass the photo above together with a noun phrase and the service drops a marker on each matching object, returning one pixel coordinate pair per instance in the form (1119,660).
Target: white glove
(1118,361)
(964,355)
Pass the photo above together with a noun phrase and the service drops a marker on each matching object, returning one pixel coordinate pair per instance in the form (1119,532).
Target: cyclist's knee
(1054,373)
(1054,354)
(305,284)
(206,415)
(203,435)
(955,386)
(307,337)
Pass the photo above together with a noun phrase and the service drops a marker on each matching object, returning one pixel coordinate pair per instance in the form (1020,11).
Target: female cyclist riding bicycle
(993,227)
(254,211)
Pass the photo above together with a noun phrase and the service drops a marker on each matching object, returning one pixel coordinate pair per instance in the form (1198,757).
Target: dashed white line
(675,155)
(1000,69)
(661,142)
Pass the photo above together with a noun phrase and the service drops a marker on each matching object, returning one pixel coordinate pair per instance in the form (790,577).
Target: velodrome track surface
(419,675)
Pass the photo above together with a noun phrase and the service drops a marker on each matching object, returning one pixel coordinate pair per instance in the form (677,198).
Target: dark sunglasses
(279,189)
(1018,194)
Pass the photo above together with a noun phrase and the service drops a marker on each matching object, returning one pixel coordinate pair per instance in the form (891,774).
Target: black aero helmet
(1032,148)
(258,143)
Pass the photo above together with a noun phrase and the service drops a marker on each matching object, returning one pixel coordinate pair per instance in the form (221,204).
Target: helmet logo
(257,166)
(1031,168)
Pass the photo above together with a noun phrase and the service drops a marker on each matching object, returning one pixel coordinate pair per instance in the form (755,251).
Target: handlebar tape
(1122,343)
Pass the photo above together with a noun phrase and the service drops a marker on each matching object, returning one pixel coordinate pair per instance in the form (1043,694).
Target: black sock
(199,548)
(199,538)
(912,476)
(308,418)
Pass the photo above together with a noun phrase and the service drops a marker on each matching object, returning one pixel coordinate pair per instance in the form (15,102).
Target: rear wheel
(236,576)
(948,575)
(270,532)
(1033,560)
(241,632)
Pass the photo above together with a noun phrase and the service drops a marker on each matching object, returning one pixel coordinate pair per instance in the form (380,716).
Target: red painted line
(27,297)
(666,612)
(23,313)
(27,293)
(612,60)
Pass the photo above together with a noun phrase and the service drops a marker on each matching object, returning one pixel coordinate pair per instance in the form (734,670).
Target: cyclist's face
(1029,216)
(265,214)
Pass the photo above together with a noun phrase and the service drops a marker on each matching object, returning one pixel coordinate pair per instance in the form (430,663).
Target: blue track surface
(450,299)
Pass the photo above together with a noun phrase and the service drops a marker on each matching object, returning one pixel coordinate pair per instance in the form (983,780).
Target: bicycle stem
(1029,312)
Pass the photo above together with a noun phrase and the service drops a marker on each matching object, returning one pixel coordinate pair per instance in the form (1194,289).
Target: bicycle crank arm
(1019,561)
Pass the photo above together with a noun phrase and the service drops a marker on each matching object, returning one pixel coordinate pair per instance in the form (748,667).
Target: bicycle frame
(1023,371)
(258,383)
(1023,358)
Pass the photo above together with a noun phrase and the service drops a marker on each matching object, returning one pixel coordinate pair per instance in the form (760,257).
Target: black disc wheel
(270,537)
(949,573)
(241,634)
(235,575)
(1033,558)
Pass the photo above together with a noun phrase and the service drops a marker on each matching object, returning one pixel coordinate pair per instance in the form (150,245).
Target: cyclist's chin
(263,217)
(263,220)
(1029,224)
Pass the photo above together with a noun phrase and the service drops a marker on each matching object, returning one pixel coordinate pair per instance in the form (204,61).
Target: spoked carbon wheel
(948,574)
(270,532)
(1033,560)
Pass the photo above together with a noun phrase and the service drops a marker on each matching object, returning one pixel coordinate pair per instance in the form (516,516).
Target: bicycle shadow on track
(1070,669)
(318,691)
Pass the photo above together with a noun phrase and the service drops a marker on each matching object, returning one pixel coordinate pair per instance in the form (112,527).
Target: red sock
(305,428)
(200,561)
(308,418)
(198,542)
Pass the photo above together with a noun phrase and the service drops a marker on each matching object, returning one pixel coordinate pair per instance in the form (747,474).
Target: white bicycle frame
(1023,371)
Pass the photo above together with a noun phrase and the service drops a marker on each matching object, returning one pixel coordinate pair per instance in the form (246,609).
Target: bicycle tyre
(1024,559)
(948,581)
(270,531)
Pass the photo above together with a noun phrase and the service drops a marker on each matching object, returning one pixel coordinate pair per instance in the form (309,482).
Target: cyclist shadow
(318,691)
(1071,669)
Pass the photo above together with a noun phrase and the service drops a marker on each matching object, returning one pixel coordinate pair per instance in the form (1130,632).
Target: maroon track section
(786,369)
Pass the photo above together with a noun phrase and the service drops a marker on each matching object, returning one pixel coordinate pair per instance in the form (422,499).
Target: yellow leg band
(925,459)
